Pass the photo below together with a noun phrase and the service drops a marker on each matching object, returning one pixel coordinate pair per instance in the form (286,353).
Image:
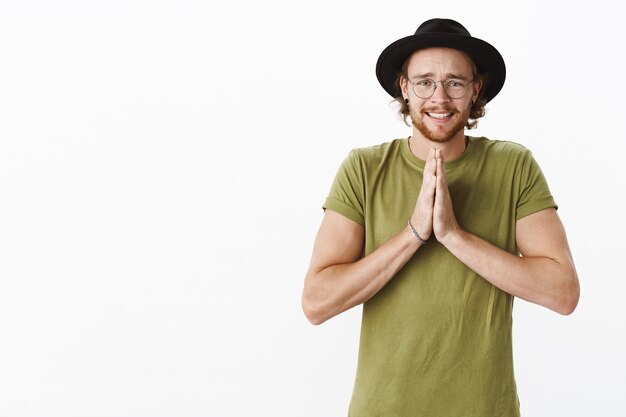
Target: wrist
(415,234)
(451,237)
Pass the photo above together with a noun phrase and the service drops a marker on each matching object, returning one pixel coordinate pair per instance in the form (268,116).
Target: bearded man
(435,234)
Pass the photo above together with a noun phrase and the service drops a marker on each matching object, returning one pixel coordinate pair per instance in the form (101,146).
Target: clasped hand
(433,210)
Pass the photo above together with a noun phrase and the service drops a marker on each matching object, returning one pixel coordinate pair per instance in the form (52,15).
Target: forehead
(440,61)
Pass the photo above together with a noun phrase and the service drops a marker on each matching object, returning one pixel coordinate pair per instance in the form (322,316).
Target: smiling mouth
(439,116)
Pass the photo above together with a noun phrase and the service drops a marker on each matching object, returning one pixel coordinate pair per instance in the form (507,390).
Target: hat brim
(486,58)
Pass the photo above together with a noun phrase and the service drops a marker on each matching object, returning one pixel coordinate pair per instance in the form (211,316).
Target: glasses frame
(443,84)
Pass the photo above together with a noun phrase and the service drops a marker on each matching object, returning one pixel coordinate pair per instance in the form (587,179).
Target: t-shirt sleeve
(534,192)
(346,194)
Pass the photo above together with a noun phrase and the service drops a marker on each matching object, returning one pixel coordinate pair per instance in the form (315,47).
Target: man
(427,233)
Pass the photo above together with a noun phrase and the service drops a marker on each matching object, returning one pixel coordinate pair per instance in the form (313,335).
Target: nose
(439,96)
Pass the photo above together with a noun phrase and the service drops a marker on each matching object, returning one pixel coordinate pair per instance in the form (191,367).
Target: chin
(439,138)
(440,135)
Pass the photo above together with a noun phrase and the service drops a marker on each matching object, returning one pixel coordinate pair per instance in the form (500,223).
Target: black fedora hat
(441,33)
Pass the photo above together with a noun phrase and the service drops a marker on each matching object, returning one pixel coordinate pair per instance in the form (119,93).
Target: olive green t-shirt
(436,340)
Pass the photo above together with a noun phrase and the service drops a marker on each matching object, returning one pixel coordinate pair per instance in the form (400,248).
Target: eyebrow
(448,76)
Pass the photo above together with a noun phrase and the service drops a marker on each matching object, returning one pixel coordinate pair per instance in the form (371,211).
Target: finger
(429,182)
(440,180)
(441,167)
(430,169)
(431,163)
(442,184)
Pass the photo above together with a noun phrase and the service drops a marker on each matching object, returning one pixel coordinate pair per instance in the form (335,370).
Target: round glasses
(454,88)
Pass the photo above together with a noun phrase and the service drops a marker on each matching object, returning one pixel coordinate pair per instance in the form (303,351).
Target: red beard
(440,134)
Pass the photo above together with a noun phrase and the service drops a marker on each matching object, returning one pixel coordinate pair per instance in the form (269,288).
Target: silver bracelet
(415,233)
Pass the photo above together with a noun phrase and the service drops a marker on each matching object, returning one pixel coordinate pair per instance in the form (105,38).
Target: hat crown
(442,26)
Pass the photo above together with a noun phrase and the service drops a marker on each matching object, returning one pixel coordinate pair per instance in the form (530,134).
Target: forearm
(549,282)
(334,289)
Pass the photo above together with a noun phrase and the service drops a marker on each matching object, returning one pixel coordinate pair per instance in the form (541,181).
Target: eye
(455,83)
(424,83)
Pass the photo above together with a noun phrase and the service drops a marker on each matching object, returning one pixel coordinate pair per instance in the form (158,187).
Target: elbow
(569,296)
(313,314)
(567,308)
(313,309)
(319,302)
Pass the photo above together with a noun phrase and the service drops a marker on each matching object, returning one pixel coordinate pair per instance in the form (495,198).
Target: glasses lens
(455,88)
(424,88)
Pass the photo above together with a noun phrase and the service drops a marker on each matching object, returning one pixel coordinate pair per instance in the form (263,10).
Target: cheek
(469,106)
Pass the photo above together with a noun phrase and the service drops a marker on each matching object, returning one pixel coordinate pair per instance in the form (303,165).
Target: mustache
(439,110)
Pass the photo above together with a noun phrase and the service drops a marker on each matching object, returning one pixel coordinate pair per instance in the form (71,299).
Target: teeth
(439,115)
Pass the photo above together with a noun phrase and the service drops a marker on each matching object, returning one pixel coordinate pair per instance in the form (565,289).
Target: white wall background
(162,168)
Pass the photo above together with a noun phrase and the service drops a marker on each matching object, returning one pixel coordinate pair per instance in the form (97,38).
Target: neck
(451,149)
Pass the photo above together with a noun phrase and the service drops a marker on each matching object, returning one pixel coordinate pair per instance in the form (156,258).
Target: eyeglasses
(454,88)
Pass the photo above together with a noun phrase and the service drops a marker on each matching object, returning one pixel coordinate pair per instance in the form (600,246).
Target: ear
(477,86)
(403,87)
